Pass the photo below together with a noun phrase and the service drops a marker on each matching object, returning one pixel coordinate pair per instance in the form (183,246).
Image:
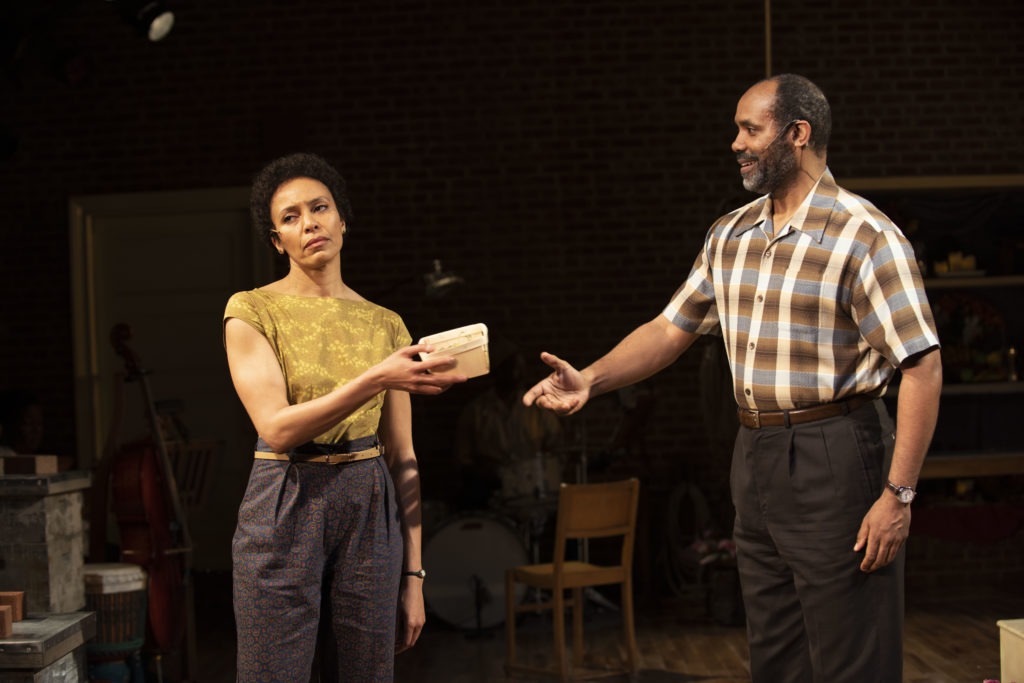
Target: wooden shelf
(982,388)
(966,465)
(948,182)
(970,389)
(974,282)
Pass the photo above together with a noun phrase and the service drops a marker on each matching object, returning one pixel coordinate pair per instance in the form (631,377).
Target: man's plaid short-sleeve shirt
(824,310)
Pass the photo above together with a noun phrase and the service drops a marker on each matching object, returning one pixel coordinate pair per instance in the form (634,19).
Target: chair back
(585,511)
(599,510)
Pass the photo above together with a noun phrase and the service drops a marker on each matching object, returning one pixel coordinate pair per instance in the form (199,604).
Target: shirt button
(768,254)
(760,298)
(751,347)
(747,392)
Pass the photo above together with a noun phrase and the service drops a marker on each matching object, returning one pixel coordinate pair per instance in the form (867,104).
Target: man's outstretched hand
(564,391)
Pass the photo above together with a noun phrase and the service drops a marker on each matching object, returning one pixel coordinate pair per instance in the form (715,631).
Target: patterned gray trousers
(317,553)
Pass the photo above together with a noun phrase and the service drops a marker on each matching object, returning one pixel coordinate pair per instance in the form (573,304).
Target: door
(165,264)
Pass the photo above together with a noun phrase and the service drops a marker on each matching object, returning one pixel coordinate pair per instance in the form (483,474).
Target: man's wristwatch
(905,494)
(420,574)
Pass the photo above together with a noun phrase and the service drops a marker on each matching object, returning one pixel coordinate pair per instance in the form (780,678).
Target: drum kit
(467,553)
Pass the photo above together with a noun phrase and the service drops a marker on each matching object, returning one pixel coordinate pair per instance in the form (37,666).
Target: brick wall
(941,567)
(565,157)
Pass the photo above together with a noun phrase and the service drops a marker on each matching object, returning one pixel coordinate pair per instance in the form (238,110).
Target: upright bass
(153,528)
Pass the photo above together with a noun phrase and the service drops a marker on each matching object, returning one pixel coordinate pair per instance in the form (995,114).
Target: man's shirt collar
(811,218)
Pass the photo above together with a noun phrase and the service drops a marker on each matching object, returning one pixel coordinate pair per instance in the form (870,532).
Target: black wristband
(421,574)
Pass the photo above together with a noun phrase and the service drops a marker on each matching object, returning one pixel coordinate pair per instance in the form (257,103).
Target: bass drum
(466,561)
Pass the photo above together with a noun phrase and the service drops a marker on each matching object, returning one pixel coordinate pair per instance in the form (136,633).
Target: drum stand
(480,596)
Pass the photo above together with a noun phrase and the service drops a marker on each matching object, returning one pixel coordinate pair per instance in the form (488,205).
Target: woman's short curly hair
(280,171)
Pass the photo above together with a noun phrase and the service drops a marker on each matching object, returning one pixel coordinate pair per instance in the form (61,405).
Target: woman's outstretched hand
(564,391)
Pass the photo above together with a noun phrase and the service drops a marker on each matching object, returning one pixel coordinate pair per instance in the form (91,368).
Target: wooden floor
(949,638)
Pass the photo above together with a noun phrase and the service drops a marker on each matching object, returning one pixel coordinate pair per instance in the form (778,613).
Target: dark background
(564,157)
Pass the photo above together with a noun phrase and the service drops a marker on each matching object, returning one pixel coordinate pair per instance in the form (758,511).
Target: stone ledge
(31,485)
(41,639)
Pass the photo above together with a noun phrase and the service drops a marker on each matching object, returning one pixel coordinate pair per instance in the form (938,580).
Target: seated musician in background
(21,422)
(499,441)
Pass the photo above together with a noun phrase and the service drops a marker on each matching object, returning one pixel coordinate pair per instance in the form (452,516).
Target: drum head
(466,562)
(113,577)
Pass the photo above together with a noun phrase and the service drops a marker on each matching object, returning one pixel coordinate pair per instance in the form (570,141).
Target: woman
(328,535)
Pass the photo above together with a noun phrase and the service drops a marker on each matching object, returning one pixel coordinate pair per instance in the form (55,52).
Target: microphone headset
(781,133)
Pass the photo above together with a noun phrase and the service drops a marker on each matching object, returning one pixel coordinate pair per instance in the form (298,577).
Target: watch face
(904,494)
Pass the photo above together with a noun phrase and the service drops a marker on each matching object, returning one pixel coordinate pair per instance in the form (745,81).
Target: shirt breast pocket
(815,299)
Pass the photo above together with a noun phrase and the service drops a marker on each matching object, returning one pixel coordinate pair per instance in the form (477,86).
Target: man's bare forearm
(649,348)
(917,410)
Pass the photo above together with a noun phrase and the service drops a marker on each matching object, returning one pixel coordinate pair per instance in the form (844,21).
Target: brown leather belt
(329,459)
(755,419)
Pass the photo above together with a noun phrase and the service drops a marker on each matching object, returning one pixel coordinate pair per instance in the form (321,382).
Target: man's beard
(775,168)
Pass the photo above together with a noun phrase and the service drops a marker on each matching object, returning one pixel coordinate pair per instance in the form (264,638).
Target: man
(819,300)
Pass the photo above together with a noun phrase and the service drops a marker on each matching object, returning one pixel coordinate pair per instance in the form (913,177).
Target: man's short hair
(797,98)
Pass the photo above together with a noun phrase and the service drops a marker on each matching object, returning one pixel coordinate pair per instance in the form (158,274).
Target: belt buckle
(757,418)
(331,459)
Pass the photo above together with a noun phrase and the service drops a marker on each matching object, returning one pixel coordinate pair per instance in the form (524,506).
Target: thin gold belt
(329,459)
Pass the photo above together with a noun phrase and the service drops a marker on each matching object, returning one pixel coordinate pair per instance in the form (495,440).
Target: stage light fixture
(439,282)
(149,17)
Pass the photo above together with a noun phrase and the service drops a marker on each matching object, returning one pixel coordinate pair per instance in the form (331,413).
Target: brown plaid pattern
(825,310)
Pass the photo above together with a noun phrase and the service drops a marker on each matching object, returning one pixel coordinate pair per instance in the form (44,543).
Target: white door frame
(88,340)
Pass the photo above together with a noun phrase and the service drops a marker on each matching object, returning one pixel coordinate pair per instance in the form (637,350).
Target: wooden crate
(1011,650)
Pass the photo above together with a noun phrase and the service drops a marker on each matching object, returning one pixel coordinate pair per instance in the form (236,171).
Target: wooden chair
(585,511)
